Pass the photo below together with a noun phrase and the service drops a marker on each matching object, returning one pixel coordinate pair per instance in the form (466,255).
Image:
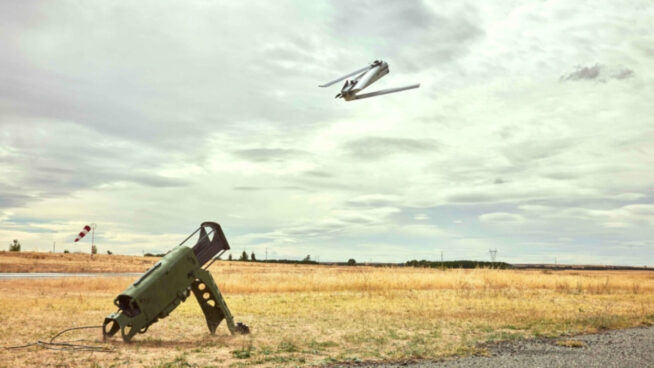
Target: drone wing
(385,91)
(346,76)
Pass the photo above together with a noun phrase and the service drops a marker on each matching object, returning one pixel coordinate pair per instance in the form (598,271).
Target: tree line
(253,258)
(458,264)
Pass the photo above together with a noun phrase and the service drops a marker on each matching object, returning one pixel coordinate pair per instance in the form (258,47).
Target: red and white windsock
(83,233)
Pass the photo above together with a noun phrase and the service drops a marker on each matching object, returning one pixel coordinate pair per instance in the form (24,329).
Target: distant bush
(109,252)
(458,264)
(351,262)
(289,261)
(66,251)
(14,246)
(154,255)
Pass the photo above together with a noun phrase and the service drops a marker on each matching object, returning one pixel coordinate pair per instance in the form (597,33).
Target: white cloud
(501,217)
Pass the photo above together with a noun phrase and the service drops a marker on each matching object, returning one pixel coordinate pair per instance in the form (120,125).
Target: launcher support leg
(127,326)
(212,303)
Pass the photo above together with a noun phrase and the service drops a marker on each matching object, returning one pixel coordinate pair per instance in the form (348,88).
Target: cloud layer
(531,132)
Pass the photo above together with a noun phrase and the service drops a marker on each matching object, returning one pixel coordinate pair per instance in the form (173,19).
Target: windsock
(83,233)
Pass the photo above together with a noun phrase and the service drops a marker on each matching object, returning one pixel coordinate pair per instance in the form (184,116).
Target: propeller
(368,67)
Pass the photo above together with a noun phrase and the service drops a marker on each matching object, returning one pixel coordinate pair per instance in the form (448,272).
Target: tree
(307,258)
(94,249)
(109,252)
(244,256)
(66,251)
(230,257)
(253,258)
(14,246)
(351,262)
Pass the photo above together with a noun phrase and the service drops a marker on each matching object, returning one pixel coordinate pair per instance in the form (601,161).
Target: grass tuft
(571,343)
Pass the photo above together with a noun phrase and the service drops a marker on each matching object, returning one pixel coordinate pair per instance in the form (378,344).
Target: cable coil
(64,346)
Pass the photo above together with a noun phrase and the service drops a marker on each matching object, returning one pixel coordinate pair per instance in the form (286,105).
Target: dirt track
(619,348)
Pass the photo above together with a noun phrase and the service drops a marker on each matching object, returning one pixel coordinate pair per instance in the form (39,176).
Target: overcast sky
(532,132)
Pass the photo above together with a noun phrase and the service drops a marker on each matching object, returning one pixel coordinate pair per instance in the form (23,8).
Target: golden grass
(305,314)
(237,277)
(60,262)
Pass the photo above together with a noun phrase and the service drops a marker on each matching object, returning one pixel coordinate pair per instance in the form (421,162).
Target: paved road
(45,275)
(619,348)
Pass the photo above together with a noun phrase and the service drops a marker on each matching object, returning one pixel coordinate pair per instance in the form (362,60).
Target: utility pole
(266,254)
(53,246)
(92,237)
(493,254)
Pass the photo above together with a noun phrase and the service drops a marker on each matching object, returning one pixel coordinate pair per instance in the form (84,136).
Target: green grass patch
(243,353)
(287,346)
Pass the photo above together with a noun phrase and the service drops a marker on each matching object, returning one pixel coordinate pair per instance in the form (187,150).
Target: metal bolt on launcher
(169,282)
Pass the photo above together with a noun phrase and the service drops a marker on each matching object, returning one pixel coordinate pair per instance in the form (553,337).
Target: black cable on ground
(65,346)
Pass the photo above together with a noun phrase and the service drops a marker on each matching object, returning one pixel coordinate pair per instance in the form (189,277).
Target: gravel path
(619,348)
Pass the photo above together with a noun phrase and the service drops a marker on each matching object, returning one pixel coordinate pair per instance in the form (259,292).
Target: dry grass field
(71,262)
(312,315)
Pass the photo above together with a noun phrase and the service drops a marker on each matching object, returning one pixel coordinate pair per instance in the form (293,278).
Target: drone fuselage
(360,82)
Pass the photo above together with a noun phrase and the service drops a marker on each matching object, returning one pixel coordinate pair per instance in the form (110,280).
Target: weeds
(571,343)
(243,353)
(178,362)
(286,346)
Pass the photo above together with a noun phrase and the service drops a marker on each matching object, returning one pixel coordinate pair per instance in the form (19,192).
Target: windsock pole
(92,237)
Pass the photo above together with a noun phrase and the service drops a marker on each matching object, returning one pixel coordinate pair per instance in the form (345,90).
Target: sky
(532,132)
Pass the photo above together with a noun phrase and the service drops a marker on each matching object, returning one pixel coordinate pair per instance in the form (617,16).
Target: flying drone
(365,77)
